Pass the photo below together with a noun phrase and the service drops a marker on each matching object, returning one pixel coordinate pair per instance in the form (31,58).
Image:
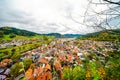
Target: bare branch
(112,2)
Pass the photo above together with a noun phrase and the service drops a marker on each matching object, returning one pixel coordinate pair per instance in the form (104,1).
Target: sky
(46,16)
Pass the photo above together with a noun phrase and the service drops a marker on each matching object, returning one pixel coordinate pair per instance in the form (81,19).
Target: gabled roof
(47,67)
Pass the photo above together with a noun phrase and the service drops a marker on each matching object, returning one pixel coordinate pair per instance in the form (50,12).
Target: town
(48,61)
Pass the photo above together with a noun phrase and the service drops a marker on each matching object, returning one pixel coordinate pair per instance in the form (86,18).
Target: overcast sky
(45,16)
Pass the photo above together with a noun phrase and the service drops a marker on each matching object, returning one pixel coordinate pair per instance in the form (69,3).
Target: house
(2,77)
(81,56)
(4,73)
(48,75)
(47,68)
(40,70)
(35,72)
(5,62)
(43,60)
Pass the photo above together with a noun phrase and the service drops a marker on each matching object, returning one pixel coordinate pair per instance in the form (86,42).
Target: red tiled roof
(6,60)
(32,78)
(28,73)
(79,61)
(49,75)
(29,54)
(35,71)
(47,67)
(66,67)
(41,77)
(39,69)
(43,60)
(3,65)
(57,65)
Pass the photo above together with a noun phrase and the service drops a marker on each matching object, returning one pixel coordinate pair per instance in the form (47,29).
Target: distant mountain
(105,35)
(21,32)
(57,35)
(72,35)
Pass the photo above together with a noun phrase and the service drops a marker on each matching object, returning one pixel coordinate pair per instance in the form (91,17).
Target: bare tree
(105,19)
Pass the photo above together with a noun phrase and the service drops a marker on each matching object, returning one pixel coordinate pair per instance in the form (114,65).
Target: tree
(16,56)
(45,38)
(76,73)
(13,51)
(12,35)
(99,19)
(27,62)
(1,34)
(113,65)
(17,69)
(104,36)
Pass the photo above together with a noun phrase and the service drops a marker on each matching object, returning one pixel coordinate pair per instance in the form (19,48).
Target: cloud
(44,16)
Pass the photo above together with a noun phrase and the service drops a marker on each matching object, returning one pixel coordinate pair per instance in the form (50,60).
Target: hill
(10,30)
(105,35)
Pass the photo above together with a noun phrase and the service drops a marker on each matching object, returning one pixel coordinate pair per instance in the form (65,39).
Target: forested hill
(11,30)
(105,35)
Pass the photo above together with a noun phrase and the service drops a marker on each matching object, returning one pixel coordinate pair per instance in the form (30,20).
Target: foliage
(1,34)
(32,66)
(16,56)
(95,70)
(113,65)
(16,69)
(23,48)
(9,30)
(27,62)
(23,79)
(1,55)
(77,73)
(12,35)
(108,35)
